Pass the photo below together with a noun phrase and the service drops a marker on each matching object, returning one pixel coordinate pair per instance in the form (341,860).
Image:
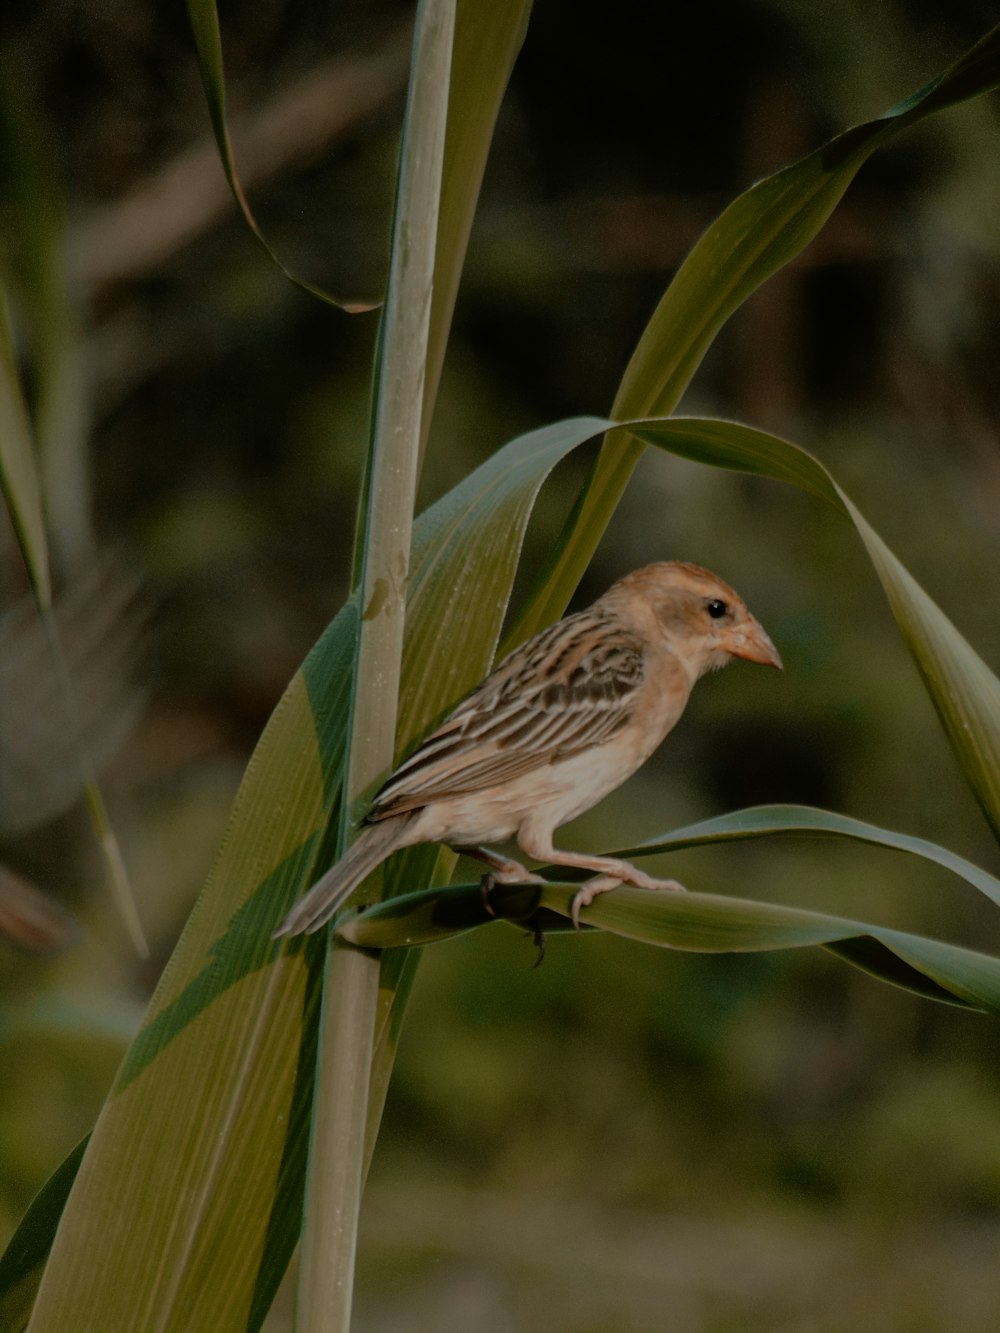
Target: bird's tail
(373,845)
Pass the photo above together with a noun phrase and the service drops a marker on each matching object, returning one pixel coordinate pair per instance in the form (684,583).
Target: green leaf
(798,821)
(694,922)
(221,1042)
(22,1262)
(964,691)
(211,1099)
(705,923)
(754,237)
(204,19)
(488,37)
(428,916)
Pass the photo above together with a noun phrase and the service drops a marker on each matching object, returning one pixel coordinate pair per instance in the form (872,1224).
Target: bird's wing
(565,691)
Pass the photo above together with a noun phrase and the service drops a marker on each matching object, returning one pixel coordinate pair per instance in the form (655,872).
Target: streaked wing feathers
(566,690)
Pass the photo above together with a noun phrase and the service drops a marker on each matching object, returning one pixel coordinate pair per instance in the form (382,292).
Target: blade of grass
(204,19)
(755,236)
(706,923)
(36,222)
(801,821)
(962,688)
(22,493)
(696,923)
(29,1247)
(488,37)
(964,691)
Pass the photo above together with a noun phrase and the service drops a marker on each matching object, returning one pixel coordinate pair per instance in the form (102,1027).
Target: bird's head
(705,621)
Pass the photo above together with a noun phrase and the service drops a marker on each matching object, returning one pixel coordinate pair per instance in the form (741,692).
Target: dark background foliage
(761,1142)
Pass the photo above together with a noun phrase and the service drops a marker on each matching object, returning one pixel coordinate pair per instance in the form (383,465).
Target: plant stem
(350,994)
(336,1158)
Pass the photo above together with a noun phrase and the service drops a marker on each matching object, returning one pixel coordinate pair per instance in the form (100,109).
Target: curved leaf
(204,19)
(487,40)
(797,821)
(692,922)
(230,1000)
(704,923)
(964,691)
(28,1250)
(755,236)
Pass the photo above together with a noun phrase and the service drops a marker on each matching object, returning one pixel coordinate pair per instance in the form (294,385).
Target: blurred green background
(620,1136)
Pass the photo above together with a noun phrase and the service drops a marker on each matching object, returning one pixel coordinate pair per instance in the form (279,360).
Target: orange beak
(751,641)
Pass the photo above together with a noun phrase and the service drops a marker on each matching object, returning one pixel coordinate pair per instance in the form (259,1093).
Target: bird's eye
(717,608)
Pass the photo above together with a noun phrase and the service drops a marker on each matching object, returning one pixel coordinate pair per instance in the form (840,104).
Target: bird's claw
(585,895)
(538,939)
(486,886)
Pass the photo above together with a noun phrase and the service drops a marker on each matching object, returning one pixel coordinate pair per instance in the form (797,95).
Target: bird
(557,725)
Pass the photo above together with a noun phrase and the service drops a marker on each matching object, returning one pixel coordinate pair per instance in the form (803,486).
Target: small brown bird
(562,721)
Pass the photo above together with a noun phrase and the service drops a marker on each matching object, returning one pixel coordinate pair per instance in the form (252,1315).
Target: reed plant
(247,1108)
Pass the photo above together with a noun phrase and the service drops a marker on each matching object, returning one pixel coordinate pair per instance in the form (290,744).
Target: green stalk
(347,1032)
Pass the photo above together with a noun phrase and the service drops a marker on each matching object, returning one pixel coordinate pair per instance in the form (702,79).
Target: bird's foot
(585,895)
(644,881)
(486,886)
(516,874)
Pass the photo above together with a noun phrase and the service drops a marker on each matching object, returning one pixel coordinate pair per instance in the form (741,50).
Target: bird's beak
(751,641)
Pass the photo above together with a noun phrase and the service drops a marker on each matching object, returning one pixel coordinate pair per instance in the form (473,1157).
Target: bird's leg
(502,870)
(505,870)
(610,870)
(539,848)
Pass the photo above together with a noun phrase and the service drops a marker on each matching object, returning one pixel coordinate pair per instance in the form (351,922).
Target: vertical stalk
(336,1161)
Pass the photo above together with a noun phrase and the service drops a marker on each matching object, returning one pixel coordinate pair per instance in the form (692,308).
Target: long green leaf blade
(705,923)
(209,1092)
(230,1004)
(204,19)
(963,689)
(25,1256)
(691,922)
(488,37)
(801,821)
(755,236)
